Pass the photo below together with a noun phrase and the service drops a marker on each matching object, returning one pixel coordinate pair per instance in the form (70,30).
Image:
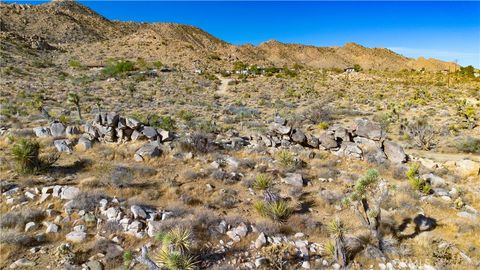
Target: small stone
(52,228)
(306,265)
(30,226)
(22,263)
(260,261)
(261,241)
(94,265)
(64,145)
(80,228)
(76,237)
(69,193)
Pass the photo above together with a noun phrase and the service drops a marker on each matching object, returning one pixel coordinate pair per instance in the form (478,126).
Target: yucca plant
(174,254)
(369,192)
(262,182)
(337,231)
(277,210)
(26,154)
(286,158)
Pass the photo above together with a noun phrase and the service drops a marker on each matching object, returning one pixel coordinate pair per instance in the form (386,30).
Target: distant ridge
(86,34)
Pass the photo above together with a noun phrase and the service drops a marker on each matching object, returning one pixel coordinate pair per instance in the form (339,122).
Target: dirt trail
(442,157)
(223,87)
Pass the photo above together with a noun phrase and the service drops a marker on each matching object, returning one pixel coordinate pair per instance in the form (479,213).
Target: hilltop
(88,36)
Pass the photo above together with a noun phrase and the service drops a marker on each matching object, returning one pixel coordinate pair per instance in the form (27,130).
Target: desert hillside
(158,146)
(87,35)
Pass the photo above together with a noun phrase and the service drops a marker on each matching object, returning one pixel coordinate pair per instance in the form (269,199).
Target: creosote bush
(26,154)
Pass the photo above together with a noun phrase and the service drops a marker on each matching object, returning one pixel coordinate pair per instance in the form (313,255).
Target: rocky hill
(89,36)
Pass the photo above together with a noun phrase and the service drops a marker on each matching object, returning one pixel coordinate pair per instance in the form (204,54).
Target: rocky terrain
(158,146)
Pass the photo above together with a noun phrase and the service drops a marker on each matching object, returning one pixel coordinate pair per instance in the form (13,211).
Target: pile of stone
(107,128)
(365,141)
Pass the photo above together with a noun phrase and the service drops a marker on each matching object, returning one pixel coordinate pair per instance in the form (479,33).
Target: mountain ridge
(85,34)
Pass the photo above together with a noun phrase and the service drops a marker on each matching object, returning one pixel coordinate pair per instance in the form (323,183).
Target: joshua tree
(74,99)
(366,199)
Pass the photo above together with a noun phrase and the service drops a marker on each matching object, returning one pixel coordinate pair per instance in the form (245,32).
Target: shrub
(262,182)
(416,182)
(422,133)
(115,68)
(186,115)
(26,154)
(469,145)
(74,63)
(18,219)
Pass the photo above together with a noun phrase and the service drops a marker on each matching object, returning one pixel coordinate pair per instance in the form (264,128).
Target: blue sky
(444,30)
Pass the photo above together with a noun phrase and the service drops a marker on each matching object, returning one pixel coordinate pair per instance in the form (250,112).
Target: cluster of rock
(107,128)
(366,140)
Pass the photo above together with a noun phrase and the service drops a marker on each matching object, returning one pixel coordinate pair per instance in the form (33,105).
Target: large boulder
(294,179)
(327,141)
(149,132)
(57,129)
(394,152)
(341,133)
(72,131)
(147,151)
(372,151)
(84,143)
(132,123)
(468,167)
(280,129)
(368,129)
(349,149)
(298,136)
(41,132)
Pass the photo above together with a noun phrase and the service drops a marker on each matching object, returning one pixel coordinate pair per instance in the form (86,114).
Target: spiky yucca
(262,182)
(278,210)
(174,254)
(25,153)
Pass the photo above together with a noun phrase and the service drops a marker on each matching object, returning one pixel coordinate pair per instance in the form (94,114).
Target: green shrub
(186,115)
(469,145)
(74,63)
(114,68)
(416,182)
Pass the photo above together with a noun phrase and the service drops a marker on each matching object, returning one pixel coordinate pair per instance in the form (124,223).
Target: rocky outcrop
(365,141)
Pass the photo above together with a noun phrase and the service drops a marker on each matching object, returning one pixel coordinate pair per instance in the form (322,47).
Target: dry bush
(19,219)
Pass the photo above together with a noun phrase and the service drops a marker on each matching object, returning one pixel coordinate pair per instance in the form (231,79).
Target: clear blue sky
(443,30)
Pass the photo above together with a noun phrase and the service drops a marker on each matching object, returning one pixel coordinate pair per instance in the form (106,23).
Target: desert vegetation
(140,159)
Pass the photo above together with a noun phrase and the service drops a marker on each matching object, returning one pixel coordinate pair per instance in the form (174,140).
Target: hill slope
(86,35)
